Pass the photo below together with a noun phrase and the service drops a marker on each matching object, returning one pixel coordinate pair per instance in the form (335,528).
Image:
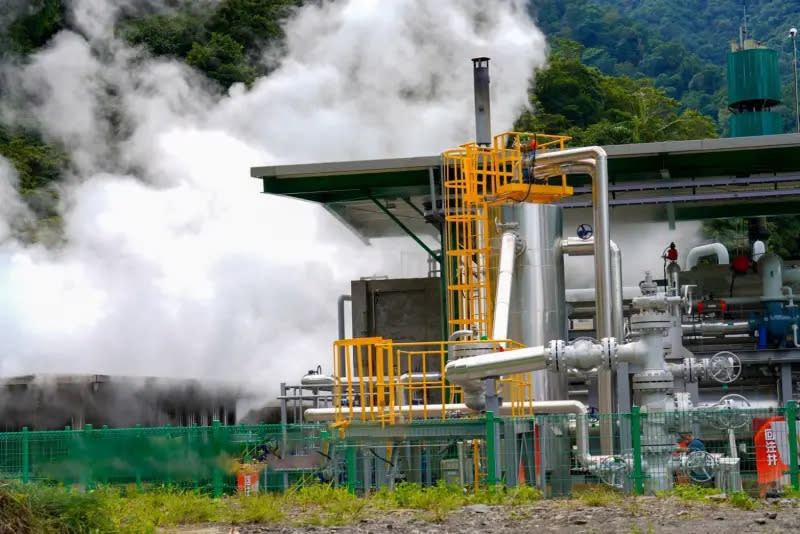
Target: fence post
(352,481)
(491,446)
(636,439)
(25,455)
(137,442)
(217,477)
(86,473)
(791,425)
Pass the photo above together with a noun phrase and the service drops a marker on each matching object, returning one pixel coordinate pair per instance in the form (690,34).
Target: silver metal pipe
(465,371)
(483,120)
(505,280)
(715,328)
(708,249)
(595,161)
(575,246)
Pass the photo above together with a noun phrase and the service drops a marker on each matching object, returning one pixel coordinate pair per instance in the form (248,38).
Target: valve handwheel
(725,367)
(585,231)
(613,470)
(700,466)
(730,412)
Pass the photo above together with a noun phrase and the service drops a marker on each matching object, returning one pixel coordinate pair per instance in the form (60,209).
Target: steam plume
(174,265)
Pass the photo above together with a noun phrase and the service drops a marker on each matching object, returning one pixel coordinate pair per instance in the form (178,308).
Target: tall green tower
(754,88)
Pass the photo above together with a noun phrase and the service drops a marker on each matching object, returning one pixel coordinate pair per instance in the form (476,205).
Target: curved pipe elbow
(709,249)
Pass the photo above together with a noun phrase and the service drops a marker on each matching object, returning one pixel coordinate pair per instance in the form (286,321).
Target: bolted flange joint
(610,358)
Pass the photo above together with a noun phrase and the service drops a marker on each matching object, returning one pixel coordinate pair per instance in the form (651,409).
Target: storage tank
(538,307)
(753,89)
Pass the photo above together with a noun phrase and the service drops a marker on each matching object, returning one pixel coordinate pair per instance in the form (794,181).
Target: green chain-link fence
(751,450)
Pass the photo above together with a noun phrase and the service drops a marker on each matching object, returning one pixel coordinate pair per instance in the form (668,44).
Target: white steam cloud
(174,265)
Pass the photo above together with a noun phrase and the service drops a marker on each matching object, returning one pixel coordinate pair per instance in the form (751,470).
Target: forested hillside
(619,71)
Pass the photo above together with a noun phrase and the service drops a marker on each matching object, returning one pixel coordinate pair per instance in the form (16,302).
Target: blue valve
(585,231)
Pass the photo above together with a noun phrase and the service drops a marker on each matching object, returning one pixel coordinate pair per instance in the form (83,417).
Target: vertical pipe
(483,121)
(505,280)
(791,423)
(602,273)
(794,65)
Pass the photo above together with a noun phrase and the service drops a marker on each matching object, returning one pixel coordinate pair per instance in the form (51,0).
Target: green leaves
(222,59)
(577,100)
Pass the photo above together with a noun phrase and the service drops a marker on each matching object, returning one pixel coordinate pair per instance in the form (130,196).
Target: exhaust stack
(483,120)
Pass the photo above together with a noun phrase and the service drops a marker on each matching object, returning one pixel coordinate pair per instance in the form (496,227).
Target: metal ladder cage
(476,179)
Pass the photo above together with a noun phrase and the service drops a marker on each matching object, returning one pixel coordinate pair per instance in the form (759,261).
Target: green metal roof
(745,176)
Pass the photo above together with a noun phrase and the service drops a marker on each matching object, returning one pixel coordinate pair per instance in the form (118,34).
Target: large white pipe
(584,247)
(709,249)
(594,161)
(505,280)
(473,369)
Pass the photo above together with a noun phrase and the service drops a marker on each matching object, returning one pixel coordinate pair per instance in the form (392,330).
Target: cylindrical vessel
(538,308)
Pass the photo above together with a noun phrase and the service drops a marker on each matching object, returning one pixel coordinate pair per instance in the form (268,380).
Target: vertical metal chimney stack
(483,120)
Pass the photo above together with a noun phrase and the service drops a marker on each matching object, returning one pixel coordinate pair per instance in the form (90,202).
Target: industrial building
(493,331)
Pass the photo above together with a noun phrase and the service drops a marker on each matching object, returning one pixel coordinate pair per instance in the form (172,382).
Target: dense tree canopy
(620,71)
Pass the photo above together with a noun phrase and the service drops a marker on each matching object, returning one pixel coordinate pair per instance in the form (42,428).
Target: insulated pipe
(593,160)
(575,246)
(473,369)
(707,250)
(583,247)
(505,279)
(715,328)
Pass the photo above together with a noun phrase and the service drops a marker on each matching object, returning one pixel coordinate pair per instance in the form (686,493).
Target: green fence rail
(750,450)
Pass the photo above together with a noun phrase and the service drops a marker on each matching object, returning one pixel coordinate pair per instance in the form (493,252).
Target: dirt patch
(632,515)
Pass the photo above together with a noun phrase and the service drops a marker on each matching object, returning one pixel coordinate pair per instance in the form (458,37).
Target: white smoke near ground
(173,263)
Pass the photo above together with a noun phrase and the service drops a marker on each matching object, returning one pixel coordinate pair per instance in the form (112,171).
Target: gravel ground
(633,515)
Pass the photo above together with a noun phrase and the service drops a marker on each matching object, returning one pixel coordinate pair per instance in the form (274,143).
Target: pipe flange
(653,380)
(555,356)
(651,321)
(610,358)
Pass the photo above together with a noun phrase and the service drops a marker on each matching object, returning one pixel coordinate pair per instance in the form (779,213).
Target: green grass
(599,496)
(742,500)
(690,492)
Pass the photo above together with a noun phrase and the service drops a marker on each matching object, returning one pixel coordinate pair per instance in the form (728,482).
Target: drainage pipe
(696,253)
